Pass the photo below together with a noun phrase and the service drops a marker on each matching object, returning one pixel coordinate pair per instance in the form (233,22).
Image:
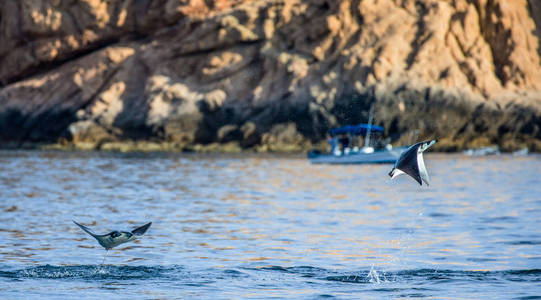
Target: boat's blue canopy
(359,129)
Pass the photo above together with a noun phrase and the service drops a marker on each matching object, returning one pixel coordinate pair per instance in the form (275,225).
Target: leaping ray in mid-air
(411,162)
(115,238)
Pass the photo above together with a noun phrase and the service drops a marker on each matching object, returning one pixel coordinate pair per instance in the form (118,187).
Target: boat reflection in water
(375,149)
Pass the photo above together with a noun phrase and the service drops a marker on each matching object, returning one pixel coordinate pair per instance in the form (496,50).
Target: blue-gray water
(251,226)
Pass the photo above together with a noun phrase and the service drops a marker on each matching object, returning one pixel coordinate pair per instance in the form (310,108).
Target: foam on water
(175,272)
(96,272)
(418,283)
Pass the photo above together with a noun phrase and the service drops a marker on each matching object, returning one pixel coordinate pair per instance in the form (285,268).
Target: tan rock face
(273,74)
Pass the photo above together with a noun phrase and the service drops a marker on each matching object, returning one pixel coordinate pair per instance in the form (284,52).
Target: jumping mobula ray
(115,238)
(411,162)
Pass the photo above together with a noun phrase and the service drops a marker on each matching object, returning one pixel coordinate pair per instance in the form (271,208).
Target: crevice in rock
(101,88)
(494,35)
(133,125)
(75,22)
(45,67)
(537,20)
(421,37)
(218,48)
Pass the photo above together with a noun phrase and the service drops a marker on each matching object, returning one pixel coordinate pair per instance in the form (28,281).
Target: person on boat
(333,142)
(344,141)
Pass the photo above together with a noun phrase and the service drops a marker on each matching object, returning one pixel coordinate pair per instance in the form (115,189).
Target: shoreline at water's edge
(226,148)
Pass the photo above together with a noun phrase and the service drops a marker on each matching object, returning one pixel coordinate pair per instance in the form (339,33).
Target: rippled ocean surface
(261,226)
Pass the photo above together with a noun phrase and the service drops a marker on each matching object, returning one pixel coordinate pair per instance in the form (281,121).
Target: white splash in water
(373,276)
(100,271)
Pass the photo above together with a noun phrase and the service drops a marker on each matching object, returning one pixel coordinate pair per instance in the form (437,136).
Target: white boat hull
(376,157)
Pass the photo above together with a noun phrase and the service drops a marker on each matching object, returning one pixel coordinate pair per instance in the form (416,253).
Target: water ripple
(253,226)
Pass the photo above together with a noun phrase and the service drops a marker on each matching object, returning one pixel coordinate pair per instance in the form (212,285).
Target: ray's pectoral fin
(141,230)
(414,173)
(86,229)
(423,174)
(408,164)
(395,172)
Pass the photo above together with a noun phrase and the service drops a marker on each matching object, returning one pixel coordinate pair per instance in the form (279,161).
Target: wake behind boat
(343,153)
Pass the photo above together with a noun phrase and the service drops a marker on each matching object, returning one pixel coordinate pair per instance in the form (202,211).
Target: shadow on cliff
(18,129)
(282,122)
(251,127)
(135,108)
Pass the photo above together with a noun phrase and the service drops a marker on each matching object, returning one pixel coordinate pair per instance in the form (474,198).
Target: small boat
(382,153)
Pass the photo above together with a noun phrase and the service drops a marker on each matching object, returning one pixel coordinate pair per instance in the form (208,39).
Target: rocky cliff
(267,74)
